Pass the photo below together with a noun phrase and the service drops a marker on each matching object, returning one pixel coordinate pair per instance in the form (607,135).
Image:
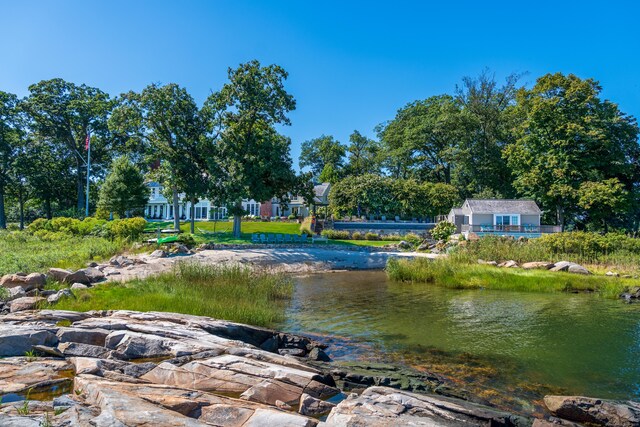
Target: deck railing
(536,229)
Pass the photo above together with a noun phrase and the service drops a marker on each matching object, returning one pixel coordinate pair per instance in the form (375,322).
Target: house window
(507,219)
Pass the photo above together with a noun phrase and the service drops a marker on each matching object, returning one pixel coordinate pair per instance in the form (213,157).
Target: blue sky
(351,64)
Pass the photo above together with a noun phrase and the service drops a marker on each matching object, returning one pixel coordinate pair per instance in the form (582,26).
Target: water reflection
(524,344)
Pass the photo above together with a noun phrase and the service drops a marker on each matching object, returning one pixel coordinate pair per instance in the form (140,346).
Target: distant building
(500,217)
(159,208)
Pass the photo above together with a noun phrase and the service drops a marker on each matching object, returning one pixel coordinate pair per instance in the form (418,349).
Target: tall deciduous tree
(363,155)
(11,129)
(421,140)
(123,190)
(324,156)
(64,113)
(251,160)
(487,125)
(568,136)
(164,123)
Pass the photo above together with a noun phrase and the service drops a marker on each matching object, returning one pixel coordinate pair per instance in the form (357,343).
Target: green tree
(568,136)
(324,156)
(163,122)
(603,201)
(421,140)
(10,137)
(63,113)
(124,190)
(248,158)
(487,123)
(363,155)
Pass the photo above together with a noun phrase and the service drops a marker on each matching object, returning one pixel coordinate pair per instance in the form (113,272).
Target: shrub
(130,228)
(357,236)
(336,234)
(187,239)
(443,230)
(371,236)
(292,216)
(412,238)
(38,224)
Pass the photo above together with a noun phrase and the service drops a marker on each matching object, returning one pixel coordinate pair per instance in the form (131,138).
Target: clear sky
(351,64)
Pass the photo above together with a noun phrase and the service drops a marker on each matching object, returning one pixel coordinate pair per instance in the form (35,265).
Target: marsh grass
(600,253)
(232,293)
(456,275)
(20,251)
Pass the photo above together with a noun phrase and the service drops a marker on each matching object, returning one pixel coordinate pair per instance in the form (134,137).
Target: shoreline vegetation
(466,266)
(234,293)
(455,275)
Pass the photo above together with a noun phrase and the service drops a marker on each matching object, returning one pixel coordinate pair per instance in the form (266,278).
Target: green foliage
(292,217)
(22,251)
(251,159)
(187,239)
(375,195)
(237,294)
(412,238)
(371,236)
(63,114)
(130,228)
(357,236)
(336,234)
(123,190)
(569,146)
(324,156)
(611,249)
(364,155)
(443,230)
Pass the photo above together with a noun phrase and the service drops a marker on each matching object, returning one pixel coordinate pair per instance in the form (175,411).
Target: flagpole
(86,213)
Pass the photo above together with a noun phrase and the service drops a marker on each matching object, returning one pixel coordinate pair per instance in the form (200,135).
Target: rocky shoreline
(124,368)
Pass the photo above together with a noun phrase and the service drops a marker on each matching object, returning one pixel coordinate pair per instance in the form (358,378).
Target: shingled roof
(490,206)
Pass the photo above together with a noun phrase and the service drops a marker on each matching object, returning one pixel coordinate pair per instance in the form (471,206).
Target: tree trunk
(3,217)
(80,186)
(237,220)
(21,205)
(176,207)
(560,216)
(47,208)
(193,215)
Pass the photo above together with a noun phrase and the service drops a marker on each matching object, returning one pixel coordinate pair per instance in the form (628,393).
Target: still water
(501,345)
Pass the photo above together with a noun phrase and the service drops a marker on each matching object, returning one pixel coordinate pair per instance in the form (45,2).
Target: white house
(159,208)
(501,217)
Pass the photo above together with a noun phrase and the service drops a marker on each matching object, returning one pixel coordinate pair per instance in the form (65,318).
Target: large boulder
(58,274)
(83,350)
(93,274)
(62,293)
(120,261)
(311,406)
(578,269)
(26,281)
(382,406)
(79,276)
(537,265)
(594,411)
(16,340)
(25,303)
(508,264)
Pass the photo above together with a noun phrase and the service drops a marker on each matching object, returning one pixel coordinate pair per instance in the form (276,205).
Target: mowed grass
(464,276)
(232,293)
(221,232)
(21,252)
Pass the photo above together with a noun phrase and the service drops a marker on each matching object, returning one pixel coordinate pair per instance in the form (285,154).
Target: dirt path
(291,260)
